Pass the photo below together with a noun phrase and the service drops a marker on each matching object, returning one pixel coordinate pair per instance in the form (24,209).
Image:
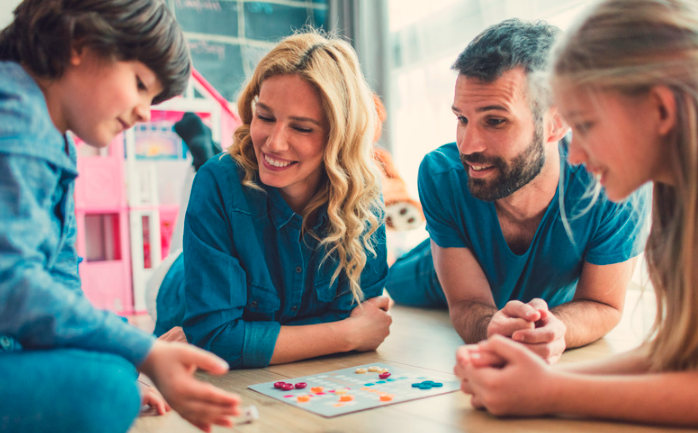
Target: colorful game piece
(316,389)
(279,385)
(346,398)
(301,385)
(382,370)
(373,368)
(341,391)
(361,370)
(386,397)
(384,375)
(287,386)
(303,398)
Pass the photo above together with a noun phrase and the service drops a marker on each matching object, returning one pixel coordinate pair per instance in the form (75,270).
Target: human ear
(77,52)
(664,104)
(555,125)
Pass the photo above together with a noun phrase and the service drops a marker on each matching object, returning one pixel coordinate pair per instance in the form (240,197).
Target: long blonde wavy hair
(352,187)
(629,46)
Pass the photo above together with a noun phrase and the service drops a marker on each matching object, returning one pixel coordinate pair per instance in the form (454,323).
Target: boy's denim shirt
(41,303)
(247,269)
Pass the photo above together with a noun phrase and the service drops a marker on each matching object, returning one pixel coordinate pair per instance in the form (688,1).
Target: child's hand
(152,398)
(369,324)
(171,367)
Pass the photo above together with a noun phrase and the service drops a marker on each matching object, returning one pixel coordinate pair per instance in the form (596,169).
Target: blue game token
(437,384)
(380,381)
(369,384)
(416,385)
(424,386)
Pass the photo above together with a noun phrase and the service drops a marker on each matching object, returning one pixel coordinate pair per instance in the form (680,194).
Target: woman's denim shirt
(247,269)
(41,303)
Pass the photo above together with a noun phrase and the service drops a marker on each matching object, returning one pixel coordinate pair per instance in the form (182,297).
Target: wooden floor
(422,339)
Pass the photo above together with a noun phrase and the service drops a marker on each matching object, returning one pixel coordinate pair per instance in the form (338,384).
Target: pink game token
(279,385)
(384,375)
(287,386)
(301,385)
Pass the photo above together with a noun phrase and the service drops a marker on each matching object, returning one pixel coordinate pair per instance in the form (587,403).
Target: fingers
(202,359)
(506,326)
(382,302)
(522,311)
(506,349)
(174,334)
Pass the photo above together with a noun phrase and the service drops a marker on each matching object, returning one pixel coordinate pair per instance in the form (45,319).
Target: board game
(358,388)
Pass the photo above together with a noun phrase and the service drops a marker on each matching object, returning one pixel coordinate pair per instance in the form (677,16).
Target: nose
(469,140)
(576,154)
(142,112)
(276,141)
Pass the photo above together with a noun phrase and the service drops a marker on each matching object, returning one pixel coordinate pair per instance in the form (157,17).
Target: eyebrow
(485,108)
(296,118)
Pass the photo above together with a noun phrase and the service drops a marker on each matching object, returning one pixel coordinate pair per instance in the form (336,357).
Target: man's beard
(513,175)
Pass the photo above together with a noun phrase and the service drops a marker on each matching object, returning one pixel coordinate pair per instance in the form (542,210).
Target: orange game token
(303,398)
(316,389)
(346,397)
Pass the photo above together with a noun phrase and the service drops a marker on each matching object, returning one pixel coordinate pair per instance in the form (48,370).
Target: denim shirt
(247,269)
(41,304)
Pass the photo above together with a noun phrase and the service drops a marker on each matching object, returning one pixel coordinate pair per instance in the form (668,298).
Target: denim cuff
(260,340)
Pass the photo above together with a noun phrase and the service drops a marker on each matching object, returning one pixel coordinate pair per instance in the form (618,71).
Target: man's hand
(171,367)
(513,317)
(533,325)
(547,339)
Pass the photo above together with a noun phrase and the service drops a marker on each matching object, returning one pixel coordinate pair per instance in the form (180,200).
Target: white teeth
(478,167)
(275,163)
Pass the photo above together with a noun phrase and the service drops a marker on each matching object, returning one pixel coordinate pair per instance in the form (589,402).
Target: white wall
(6,8)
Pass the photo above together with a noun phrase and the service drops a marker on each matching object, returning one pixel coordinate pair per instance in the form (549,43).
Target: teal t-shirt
(604,232)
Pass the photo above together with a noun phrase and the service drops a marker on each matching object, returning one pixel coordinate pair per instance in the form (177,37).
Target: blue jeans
(412,279)
(66,390)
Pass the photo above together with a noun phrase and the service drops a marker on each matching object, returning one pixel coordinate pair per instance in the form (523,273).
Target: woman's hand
(506,378)
(171,367)
(175,334)
(369,324)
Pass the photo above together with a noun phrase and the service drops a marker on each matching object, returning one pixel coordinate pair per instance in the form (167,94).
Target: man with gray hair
(518,245)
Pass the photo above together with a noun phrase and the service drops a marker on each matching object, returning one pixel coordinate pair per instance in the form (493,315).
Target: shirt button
(299,269)
(253,304)
(5,342)
(294,308)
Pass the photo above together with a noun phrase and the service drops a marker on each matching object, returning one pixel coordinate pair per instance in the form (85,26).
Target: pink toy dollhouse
(127,197)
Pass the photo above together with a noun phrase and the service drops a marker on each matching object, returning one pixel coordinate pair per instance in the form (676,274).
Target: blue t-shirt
(246,270)
(41,304)
(604,233)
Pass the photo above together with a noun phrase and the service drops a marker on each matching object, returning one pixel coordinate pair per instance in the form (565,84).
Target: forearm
(308,341)
(586,321)
(664,398)
(633,362)
(470,319)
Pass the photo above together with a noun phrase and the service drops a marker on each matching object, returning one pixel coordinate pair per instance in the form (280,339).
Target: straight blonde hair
(629,46)
(352,187)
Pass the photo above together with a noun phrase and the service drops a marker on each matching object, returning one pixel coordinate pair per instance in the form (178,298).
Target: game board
(345,391)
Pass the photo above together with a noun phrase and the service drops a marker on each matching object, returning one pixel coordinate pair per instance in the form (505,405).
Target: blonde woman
(284,240)
(626,80)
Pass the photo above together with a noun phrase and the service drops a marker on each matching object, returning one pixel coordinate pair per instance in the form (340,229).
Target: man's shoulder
(443,159)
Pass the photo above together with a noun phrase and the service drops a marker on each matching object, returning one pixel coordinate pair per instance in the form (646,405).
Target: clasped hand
(532,325)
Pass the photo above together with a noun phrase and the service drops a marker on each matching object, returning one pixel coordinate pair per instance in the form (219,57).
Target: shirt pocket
(262,302)
(326,289)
